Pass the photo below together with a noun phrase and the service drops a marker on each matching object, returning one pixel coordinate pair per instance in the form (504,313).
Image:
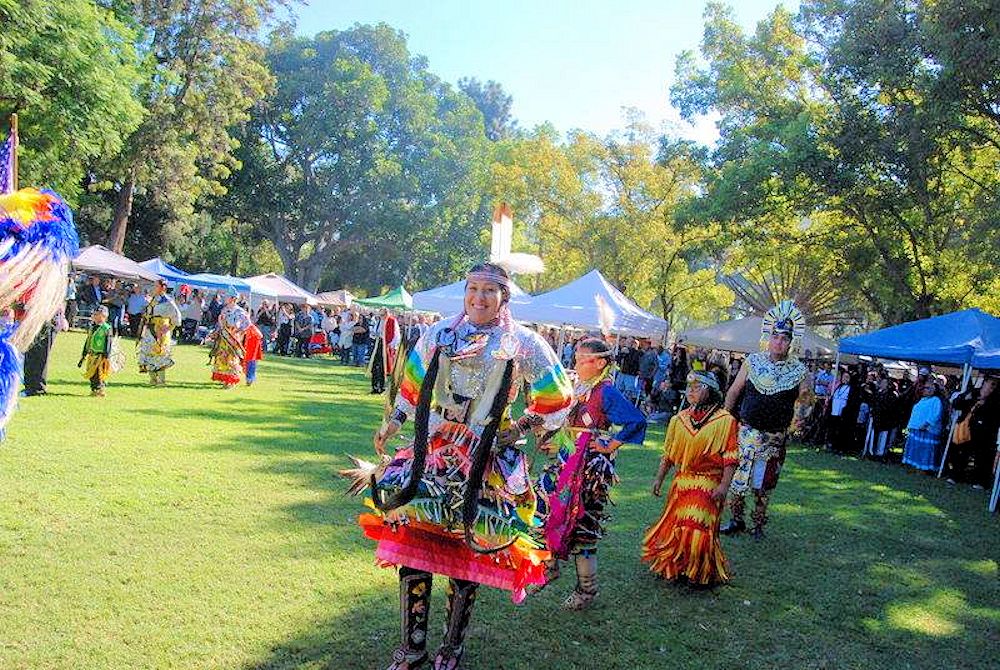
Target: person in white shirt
(328,325)
(347,321)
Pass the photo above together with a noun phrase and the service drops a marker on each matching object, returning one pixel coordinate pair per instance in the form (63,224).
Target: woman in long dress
(156,345)
(228,351)
(924,430)
(701,444)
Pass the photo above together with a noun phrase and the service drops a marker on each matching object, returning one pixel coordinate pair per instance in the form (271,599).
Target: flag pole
(13,133)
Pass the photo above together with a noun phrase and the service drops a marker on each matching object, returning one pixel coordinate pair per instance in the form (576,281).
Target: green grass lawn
(190,527)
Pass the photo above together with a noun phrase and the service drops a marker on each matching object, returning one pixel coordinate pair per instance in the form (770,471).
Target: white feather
(522,264)
(605,315)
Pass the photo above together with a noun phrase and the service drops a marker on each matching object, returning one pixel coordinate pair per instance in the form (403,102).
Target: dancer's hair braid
(421,418)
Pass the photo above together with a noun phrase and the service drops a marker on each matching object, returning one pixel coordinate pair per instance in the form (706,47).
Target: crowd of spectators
(866,411)
(861,410)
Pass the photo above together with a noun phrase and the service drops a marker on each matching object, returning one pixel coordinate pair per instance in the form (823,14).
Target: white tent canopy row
(576,304)
(743,336)
(284,290)
(101,260)
(450,299)
(580,304)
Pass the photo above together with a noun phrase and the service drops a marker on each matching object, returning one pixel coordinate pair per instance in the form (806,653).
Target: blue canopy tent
(165,270)
(220,282)
(969,338)
(205,280)
(954,339)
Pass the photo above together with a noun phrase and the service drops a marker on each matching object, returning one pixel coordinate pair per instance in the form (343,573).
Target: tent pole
(966,375)
(869,447)
(836,367)
(996,482)
(562,336)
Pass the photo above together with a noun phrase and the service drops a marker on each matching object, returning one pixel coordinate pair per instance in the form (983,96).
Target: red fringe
(424,546)
(681,543)
(225,379)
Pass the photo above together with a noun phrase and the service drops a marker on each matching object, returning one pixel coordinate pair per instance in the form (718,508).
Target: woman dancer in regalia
(576,488)
(228,349)
(459,501)
(159,320)
(701,444)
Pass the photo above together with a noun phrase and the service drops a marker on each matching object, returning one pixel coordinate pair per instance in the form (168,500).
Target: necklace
(698,423)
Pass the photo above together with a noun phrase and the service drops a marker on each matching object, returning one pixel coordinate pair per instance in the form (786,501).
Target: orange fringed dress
(684,542)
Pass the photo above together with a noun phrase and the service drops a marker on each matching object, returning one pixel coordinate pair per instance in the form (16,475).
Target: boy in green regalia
(97,352)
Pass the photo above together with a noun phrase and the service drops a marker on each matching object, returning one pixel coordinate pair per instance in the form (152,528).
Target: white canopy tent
(577,304)
(341,298)
(96,259)
(450,299)
(280,288)
(743,335)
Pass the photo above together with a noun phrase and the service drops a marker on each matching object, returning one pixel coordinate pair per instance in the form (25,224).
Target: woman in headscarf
(576,488)
(459,501)
(701,442)
(924,429)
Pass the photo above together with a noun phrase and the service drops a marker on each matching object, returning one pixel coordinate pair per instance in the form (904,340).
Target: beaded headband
(486,275)
(706,378)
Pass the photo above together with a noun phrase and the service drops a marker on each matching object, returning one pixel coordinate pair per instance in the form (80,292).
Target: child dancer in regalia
(576,489)
(95,359)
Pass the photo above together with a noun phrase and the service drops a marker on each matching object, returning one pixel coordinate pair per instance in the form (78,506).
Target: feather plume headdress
(784,318)
(37,242)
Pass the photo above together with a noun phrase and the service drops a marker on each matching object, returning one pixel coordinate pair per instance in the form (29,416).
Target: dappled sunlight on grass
(935,616)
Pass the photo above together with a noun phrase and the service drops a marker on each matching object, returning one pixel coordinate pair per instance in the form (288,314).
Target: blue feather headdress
(37,242)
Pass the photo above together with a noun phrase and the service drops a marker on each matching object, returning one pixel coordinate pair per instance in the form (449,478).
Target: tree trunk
(123,210)
(311,273)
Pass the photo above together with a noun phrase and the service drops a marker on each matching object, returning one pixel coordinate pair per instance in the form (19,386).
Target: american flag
(7,152)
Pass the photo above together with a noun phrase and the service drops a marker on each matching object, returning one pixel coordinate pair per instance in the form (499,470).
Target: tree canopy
(855,170)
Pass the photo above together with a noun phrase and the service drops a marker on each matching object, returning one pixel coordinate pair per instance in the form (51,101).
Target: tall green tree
(846,110)
(495,105)
(613,203)
(203,68)
(68,68)
(363,162)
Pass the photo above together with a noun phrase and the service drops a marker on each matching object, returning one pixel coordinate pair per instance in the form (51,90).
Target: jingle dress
(159,319)
(472,364)
(684,542)
(575,490)
(228,350)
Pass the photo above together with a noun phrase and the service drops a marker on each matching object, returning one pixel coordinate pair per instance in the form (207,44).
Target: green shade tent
(398,298)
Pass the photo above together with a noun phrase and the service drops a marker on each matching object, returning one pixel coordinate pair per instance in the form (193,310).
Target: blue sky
(576,64)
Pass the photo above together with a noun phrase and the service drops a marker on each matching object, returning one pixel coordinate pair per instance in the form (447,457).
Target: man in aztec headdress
(768,384)
(37,242)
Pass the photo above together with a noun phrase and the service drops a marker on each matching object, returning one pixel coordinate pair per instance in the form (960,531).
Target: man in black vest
(763,398)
